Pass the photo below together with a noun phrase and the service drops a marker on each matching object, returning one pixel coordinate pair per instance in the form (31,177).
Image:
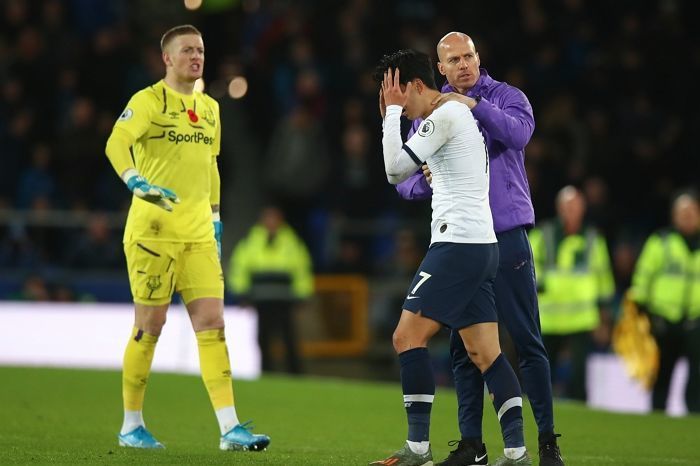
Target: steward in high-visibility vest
(574,277)
(574,281)
(271,269)
(666,285)
(666,279)
(267,267)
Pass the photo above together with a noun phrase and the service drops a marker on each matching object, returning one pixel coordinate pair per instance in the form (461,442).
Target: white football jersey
(450,142)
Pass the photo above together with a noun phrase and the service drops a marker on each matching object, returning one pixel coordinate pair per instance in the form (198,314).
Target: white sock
(132,419)
(420,448)
(514,453)
(227,418)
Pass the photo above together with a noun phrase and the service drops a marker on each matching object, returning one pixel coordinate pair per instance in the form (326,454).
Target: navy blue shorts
(454,284)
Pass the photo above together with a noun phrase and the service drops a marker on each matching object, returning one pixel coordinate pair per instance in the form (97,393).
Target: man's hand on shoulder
(454,96)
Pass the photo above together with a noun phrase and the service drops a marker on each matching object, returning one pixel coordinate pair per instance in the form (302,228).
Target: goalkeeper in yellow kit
(165,146)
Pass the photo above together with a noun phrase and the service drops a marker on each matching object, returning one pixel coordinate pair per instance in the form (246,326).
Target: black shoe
(466,454)
(549,452)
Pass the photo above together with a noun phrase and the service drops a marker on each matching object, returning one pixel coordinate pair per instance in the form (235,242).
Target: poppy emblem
(193,116)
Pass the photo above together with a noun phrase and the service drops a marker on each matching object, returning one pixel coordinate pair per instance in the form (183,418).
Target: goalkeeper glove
(142,189)
(218,230)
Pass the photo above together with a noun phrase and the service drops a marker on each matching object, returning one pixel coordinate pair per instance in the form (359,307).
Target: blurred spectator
(104,68)
(17,250)
(271,269)
(575,286)
(666,286)
(297,163)
(96,247)
(350,256)
(598,203)
(36,181)
(16,121)
(66,94)
(34,288)
(406,257)
(396,270)
(49,240)
(63,293)
(77,149)
(358,180)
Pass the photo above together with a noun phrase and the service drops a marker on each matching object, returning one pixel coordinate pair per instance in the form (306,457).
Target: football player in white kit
(454,284)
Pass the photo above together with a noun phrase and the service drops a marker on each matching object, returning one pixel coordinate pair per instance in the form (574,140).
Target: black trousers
(676,340)
(275,319)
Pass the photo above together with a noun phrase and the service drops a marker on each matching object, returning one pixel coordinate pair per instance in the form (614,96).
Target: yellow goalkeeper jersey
(175,137)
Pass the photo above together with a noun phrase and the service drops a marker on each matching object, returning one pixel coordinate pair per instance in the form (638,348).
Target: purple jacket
(504,116)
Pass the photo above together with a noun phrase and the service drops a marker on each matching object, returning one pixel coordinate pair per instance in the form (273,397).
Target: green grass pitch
(72,416)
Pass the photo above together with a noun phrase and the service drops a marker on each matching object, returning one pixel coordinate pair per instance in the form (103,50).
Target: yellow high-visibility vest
(284,254)
(573,276)
(667,277)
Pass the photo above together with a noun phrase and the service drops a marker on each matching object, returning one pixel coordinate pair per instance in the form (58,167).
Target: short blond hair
(172,33)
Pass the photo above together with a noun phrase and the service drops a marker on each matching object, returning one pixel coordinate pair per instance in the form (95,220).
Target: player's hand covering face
(395,93)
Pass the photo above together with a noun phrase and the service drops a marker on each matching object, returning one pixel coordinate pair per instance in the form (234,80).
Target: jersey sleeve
(133,122)
(432,133)
(398,164)
(136,117)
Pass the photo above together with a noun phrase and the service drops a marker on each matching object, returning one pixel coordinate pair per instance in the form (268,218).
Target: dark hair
(412,65)
(182,30)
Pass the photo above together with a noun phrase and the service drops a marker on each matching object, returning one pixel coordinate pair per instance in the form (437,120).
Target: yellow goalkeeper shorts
(157,269)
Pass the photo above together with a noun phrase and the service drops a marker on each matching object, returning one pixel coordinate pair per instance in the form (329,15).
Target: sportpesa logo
(197,138)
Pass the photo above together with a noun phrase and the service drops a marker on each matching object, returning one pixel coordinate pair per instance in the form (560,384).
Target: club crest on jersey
(427,128)
(153,282)
(208,116)
(126,114)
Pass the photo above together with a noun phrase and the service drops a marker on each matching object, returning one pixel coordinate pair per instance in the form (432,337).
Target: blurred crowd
(611,94)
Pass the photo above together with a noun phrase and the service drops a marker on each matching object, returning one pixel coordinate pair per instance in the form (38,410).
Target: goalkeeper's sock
(137,366)
(132,420)
(227,417)
(216,374)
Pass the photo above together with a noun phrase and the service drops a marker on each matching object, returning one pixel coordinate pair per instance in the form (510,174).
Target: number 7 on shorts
(425,276)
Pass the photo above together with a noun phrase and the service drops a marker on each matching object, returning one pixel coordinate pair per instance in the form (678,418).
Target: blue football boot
(139,438)
(241,438)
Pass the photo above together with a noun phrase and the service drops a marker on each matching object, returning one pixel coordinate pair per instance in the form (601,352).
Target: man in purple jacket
(505,118)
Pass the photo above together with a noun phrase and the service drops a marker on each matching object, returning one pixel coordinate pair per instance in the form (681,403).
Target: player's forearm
(397,164)
(118,153)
